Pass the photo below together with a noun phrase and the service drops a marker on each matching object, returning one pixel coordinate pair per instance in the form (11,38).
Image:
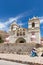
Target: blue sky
(20,11)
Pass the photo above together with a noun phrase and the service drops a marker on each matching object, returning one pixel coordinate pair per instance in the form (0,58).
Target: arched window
(23,29)
(17,34)
(11,27)
(23,33)
(33,24)
(20,33)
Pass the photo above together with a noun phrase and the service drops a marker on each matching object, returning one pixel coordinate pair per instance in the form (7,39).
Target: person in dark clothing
(33,53)
(42,55)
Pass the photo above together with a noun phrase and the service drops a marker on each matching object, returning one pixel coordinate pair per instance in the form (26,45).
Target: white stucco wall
(13,37)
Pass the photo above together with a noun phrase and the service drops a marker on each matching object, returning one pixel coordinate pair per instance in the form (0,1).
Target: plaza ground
(26,59)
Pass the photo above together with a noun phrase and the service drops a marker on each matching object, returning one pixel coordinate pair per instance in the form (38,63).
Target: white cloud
(4,26)
(13,19)
(41,19)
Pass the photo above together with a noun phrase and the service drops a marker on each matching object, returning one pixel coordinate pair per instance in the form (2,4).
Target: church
(25,35)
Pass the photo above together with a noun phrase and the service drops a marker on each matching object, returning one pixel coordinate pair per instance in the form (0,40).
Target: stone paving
(22,58)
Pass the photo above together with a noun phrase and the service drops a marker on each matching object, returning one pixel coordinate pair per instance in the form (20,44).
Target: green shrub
(1,40)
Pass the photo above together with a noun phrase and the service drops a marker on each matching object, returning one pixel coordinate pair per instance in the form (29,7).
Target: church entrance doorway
(20,40)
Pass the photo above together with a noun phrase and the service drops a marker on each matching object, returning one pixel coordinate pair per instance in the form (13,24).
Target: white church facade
(25,35)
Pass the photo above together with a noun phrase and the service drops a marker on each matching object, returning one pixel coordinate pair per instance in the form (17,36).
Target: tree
(1,40)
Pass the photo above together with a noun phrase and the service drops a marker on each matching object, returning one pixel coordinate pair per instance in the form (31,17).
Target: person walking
(33,52)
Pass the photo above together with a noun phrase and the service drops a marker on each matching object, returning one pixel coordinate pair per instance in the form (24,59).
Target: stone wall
(19,48)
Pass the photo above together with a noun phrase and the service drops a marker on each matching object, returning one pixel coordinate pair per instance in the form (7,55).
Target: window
(23,29)
(33,24)
(23,33)
(17,34)
(11,27)
(20,33)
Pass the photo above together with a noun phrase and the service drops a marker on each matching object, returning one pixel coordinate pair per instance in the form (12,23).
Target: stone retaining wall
(19,48)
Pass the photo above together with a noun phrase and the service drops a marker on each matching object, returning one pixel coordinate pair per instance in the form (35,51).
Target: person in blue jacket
(33,53)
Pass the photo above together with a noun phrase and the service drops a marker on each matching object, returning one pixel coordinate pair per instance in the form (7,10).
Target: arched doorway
(20,40)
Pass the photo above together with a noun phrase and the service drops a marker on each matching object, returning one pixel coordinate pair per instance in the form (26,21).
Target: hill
(3,34)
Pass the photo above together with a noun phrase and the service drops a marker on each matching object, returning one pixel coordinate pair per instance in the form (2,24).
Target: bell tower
(34,30)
